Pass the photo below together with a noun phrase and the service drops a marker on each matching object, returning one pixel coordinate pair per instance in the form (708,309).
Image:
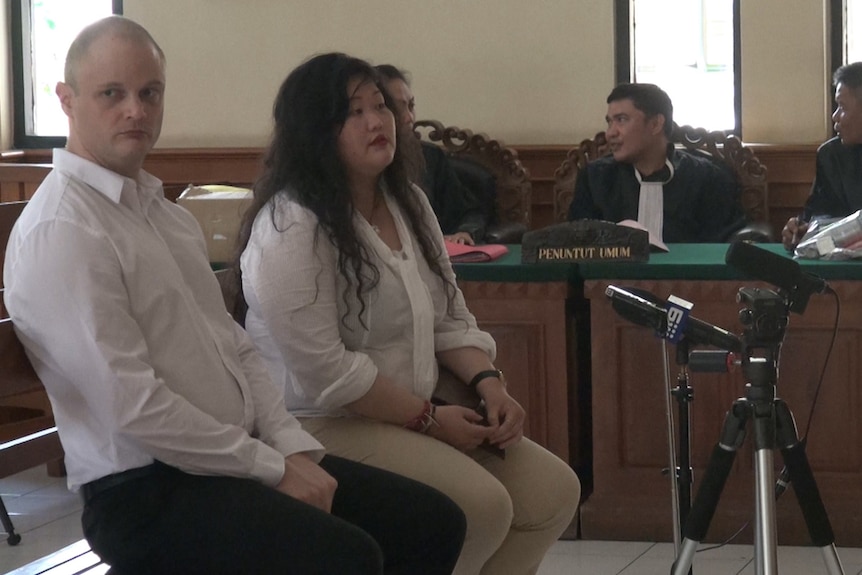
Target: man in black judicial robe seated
(679,196)
(459,211)
(837,188)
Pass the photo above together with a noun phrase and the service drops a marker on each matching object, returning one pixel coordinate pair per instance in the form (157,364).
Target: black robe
(701,201)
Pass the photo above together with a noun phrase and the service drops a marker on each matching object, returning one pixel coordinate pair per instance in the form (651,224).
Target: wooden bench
(76,559)
(19,181)
(31,440)
(35,441)
(38,442)
(9,212)
(41,446)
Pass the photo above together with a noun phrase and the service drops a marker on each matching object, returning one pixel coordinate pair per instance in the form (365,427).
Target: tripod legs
(765,538)
(773,428)
(706,500)
(807,493)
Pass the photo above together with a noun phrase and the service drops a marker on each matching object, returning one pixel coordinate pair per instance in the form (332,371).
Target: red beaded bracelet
(424,421)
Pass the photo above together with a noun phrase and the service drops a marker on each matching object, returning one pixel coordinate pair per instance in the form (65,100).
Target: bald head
(112,25)
(114,95)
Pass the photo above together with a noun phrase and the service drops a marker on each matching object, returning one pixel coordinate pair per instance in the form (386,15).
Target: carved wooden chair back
(512,181)
(740,159)
(564,177)
(724,148)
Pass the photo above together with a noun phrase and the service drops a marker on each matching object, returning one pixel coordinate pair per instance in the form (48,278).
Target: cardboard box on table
(219,210)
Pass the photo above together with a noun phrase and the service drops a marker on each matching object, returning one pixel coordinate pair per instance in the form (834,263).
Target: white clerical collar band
(651,203)
(667,163)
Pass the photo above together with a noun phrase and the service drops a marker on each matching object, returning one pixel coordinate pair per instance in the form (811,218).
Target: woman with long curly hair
(353,303)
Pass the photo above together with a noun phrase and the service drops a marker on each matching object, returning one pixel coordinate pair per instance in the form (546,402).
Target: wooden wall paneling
(19,181)
(530,325)
(790,168)
(201,166)
(629,428)
(790,174)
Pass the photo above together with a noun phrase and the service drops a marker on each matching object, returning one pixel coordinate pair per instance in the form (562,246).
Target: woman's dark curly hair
(302,160)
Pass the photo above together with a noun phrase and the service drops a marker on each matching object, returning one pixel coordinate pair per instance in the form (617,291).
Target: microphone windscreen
(638,306)
(764,265)
(647,295)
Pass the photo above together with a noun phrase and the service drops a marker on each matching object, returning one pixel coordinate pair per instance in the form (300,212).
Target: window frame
(623,54)
(836,33)
(22,97)
(837,30)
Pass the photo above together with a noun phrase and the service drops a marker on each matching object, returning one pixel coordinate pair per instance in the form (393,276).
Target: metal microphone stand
(774,428)
(680,465)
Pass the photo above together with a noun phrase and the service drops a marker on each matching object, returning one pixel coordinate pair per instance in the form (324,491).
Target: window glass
(687,48)
(852,30)
(47,27)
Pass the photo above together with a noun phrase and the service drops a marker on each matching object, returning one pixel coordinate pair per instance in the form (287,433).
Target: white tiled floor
(43,512)
(47,517)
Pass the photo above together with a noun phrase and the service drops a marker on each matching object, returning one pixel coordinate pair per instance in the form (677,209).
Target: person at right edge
(837,188)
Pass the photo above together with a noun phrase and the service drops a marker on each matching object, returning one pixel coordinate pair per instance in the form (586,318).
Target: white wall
(523,71)
(785,71)
(528,72)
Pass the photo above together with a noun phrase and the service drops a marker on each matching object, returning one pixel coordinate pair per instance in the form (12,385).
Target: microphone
(643,308)
(678,311)
(785,273)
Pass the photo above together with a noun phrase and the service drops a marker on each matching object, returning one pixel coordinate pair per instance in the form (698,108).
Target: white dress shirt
(318,348)
(111,293)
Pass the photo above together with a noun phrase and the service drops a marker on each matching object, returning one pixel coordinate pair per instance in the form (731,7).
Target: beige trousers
(516,507)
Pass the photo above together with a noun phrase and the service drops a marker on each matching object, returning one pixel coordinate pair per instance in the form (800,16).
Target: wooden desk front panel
(529,323)
(631,497)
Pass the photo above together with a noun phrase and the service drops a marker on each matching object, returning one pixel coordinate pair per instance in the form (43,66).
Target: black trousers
(174,522)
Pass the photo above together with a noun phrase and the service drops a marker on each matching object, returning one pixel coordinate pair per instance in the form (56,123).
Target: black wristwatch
(498,373)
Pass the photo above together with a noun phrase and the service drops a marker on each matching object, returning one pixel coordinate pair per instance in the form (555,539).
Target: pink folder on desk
(463,253)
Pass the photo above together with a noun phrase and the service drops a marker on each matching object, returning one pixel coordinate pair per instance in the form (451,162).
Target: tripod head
(765,319)
(765,324)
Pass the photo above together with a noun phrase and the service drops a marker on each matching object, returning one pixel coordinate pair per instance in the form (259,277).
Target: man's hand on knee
(307,481)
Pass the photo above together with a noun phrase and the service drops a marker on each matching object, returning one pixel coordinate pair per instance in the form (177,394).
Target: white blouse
(314,344)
